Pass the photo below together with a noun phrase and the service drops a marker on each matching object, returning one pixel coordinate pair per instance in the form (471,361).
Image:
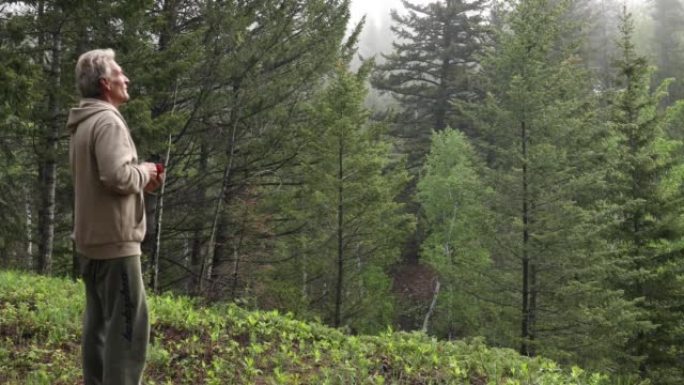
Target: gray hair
(90,68)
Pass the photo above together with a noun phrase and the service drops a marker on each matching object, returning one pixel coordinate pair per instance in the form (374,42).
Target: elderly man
(109,223)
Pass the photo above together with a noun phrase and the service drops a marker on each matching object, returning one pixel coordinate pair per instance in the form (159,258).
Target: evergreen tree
(645,179)
(43,34)
(346,225)
(217,84)
(434,57)
(252,106)
(20,77)
(540,141)
(50,35)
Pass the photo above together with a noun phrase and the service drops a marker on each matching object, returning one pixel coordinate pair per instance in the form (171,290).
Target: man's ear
(104,84)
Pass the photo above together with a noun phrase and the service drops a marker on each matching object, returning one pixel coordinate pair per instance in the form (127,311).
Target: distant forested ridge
(518,178)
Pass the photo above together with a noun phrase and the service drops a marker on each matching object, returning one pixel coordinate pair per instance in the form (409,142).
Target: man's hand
(156,179)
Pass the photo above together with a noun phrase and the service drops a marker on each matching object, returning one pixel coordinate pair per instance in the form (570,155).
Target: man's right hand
(156,178)
(151,170)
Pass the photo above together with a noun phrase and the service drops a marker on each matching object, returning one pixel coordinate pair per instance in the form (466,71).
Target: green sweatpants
(116,325)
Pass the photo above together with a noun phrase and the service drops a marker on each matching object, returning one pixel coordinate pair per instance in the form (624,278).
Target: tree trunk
(431,309)
(444,102)
(340,244)
(29,227)
(220,249)
(195,260)
(236,269)
(48,165)
(525,332)
(301,258)
(159,213)
(208,259)
(534,292)
(237,246)
(195,263)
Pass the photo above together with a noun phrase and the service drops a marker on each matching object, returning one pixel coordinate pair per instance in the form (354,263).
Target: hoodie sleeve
(116,158)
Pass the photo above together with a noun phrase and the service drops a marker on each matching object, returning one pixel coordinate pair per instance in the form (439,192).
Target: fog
(377,38)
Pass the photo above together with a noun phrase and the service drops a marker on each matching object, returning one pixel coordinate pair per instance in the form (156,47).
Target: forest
(508,170)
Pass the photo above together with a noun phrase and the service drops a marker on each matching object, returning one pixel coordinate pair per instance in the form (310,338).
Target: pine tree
(539,129)
(222,80)
(348,224)
(275,70)
(45,40)
(646,172)
(19,95)
(434,57)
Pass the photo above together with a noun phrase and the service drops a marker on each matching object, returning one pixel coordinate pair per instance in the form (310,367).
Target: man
(109,223)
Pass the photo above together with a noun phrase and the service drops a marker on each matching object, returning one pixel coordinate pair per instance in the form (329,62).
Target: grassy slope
(40,320)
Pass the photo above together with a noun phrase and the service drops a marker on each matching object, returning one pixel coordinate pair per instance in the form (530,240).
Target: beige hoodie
(108,182)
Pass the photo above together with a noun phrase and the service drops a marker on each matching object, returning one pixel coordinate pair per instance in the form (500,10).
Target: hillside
(191,344)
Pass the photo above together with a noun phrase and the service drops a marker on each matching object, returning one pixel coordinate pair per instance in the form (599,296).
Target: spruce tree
(227,94)
(46,39)
(434,58)
(644,181)
(222,81)
(345,227)
(253,108)
(20,77)
(540,134)
(435,54)
(597,33)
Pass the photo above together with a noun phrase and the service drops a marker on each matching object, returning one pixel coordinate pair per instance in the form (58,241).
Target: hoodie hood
(86,109)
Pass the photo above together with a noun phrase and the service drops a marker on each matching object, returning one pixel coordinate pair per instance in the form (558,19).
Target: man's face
(116,86)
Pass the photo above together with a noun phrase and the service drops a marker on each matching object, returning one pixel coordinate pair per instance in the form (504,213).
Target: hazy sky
(379,38)
(377,9)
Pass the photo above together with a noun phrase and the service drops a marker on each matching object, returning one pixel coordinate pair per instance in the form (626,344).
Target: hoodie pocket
(133,218)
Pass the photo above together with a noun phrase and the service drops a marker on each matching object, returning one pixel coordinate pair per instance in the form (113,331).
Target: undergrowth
(40,323)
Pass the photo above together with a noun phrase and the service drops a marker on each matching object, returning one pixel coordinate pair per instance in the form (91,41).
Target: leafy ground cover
(40,321)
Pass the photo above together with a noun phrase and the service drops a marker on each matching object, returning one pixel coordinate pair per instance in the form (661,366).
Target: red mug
(160,169)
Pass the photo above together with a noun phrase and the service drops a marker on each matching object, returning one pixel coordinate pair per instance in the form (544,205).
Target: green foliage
(432,64)
(191,344)
(645,175)
(228,80)
(281,194)
(19,95)
(454,200)
(539,138)
(347,225)
(223,80)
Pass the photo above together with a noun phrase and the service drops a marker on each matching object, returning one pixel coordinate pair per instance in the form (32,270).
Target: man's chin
(119,101)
